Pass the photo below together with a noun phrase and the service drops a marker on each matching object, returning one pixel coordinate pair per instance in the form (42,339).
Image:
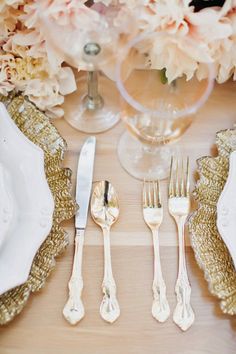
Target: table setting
(117,176)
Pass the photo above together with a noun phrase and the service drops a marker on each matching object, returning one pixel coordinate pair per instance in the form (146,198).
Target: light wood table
(41,329)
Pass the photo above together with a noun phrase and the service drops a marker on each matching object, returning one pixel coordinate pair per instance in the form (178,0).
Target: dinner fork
(153,216)
(179,208)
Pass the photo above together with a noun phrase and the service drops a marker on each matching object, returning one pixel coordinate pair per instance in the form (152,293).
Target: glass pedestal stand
(145,161)
(95,111)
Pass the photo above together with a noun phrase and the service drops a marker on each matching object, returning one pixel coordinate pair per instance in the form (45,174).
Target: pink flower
(184,39)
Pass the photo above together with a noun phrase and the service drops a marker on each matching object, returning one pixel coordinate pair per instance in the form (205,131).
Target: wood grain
(41,329)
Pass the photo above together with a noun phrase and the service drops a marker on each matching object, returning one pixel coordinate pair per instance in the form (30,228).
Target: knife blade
(74,308)
(84,181)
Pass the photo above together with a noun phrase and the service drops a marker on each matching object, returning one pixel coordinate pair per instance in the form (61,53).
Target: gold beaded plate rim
(37,127)
(210,251)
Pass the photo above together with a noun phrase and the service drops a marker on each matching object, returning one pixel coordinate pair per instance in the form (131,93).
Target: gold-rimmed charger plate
(210,251)
(37,127)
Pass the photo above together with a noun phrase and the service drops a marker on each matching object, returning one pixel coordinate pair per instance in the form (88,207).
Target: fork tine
(171,182)
(182,178)
(187,179)
(149,194)
(159,193)
(177,178)
(144,194)
(155,194)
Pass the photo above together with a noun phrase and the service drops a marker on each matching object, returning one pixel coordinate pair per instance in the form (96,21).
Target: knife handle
(74,308)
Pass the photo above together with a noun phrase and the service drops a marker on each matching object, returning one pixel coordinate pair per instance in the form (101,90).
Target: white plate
(26,203)
(226,210)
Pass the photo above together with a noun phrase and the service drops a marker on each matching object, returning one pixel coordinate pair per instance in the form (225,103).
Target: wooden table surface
(41,328)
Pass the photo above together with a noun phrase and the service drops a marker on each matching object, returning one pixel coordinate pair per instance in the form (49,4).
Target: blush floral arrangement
(189,33)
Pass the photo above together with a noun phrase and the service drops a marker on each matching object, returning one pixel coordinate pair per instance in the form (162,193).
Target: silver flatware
(105,212)
(74,309)
(179,208)
(153,216)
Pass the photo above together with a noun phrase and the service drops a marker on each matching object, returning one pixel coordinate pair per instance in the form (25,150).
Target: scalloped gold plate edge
(211,253)
(37,127)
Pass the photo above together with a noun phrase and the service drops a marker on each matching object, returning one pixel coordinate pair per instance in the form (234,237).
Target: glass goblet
(94,106)
(156,114)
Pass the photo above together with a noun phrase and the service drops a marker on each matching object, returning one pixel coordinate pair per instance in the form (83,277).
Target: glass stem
(93,100)
(173,86)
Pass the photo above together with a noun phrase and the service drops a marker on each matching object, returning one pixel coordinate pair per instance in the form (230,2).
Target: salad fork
(179,208)
(153,216)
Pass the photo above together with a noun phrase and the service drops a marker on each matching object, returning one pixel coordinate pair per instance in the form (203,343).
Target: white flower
(46,96)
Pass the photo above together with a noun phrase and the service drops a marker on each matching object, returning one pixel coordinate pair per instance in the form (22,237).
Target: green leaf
(163,77)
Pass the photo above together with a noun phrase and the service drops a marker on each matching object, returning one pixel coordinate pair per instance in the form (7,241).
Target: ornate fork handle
(109,308)
(160,306)
(183,314)
(74,309)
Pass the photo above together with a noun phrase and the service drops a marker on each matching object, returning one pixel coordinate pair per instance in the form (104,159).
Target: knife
(74,309)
